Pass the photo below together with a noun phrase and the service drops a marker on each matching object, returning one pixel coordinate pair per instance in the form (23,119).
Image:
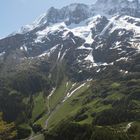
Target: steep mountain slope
(79,64)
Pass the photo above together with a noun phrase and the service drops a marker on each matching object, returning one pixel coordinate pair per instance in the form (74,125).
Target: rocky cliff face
(77,35)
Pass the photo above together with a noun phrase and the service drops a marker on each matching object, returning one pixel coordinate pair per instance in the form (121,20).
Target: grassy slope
(38,137)
(96,105)
(68,108)
(72,105)
(75,103)
(39,106)
(55,99)
(59,93)
(42,120)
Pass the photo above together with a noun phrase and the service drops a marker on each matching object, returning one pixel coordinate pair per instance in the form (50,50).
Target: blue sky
(16,13)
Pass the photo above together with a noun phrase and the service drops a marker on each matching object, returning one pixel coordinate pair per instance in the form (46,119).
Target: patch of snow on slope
(73,40)
(44,54)
(23,48)
(89,57)
(128,126)
(59,53)
(122,58)
(84,48)
(98,70)
(108,25)
(89,39)
(82,30)
(53,90)
(116,45)
(63,55)
(69,94)
(122,22)
(2,53)
(48,52)
(67,84)
(89,80)
(130,24)
(102,64)
(49,29)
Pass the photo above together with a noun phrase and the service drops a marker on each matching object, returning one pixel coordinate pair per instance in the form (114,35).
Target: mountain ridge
(90,10)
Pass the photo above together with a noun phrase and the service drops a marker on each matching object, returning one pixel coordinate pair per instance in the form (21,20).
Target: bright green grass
(115,96)
(87,121)
(72,105)
(62,112)
(68,108)
(38,137)
(115,85)
(42,120)
(55,99)
(39,106)
(25,126)
(101,108)
(59,94)
(96,106)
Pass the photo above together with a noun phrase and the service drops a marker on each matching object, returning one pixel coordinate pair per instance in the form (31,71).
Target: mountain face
(87,37)
(95,48)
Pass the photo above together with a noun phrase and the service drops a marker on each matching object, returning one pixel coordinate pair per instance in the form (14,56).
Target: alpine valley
(73,74)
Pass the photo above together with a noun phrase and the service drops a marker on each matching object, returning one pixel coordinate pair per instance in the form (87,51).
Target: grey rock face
(76,35)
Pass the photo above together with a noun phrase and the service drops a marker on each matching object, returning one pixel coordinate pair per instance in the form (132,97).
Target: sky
(17,13)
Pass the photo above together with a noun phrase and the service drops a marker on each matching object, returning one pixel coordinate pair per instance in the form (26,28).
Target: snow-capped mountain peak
(87,38)
(75,13)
